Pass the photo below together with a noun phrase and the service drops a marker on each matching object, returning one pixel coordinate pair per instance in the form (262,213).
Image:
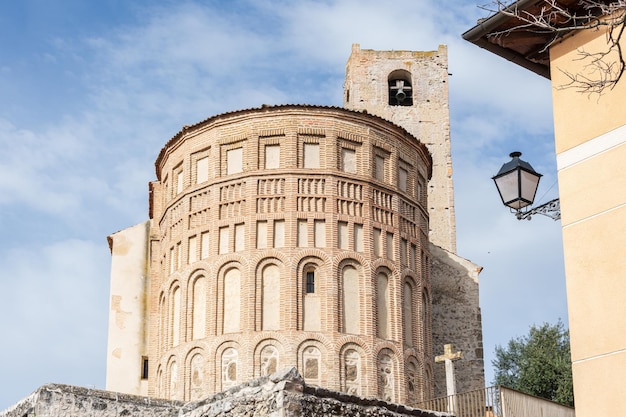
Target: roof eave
(514,57)
(477,36)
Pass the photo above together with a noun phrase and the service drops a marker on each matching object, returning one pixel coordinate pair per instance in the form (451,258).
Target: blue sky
(91,91)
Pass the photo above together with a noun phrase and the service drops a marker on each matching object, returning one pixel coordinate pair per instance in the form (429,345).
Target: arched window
(412,382)
(311,300)
(173,381)
(386,376)
(271,298)
(352,372)
(159,384)
(400,88)
(350,300)
(426,324)
(199,308)
(162,323)
(382,305)
(312,362)
(408,312)
(428,383)
(175,317)
(269,360)
(196,384)
(230,359)
(232,301)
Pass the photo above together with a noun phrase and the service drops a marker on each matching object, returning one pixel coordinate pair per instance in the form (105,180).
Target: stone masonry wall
(428,118)
(56,400)
(457,319)
(283,393)
(454,281)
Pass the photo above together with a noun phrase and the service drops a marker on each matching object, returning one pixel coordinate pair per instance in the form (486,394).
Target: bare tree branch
(602,70)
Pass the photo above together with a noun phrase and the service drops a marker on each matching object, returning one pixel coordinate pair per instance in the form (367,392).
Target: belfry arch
(400,88)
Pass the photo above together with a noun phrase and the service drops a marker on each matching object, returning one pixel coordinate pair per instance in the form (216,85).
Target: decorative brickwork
(300,236)
(372,81)
(264,305)
(426,117)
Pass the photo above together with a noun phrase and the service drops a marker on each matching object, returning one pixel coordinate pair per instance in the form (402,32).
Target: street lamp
(517,184)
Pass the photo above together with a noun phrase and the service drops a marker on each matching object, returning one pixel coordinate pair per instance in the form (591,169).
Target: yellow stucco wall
(589,115)
(596,287)
(590,137)
(598,386)
(593,185)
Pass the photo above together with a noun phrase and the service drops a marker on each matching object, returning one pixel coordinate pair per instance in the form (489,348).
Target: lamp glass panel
(507,187)
(530,182)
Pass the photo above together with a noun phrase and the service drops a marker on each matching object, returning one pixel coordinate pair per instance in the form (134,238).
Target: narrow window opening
(310,282)
(144,367)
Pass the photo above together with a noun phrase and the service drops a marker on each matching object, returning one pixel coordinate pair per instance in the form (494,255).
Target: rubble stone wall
(456,320)
(283,393)
(57,400)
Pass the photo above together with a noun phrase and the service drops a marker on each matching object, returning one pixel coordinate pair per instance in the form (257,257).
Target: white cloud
(35,166)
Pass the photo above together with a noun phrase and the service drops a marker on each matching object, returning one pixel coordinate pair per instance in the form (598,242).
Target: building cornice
(284,109)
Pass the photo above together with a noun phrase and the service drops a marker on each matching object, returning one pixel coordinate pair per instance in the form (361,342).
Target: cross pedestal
(447,357)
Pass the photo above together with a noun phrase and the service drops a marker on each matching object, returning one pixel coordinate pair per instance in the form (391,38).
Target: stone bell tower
(298,235)
(410,89)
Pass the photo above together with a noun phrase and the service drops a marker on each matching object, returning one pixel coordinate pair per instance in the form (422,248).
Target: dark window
(144,367)
(310,282)
(400,93)
(400,88)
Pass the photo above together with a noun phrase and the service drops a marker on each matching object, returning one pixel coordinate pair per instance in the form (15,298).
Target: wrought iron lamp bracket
(550,209)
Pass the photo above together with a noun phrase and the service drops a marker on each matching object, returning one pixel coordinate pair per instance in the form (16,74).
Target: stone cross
(447,357)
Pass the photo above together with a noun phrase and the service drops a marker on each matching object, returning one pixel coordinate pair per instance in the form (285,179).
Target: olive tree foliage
(537,364)
(603,68)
